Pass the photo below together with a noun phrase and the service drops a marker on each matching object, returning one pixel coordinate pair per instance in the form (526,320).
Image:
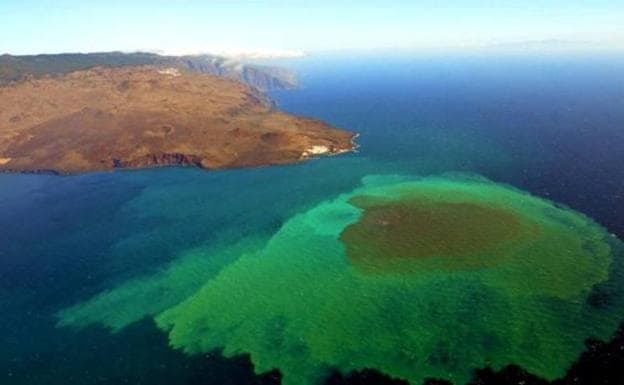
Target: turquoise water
(88,260)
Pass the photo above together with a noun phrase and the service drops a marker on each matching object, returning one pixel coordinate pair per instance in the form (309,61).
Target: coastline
(353,149)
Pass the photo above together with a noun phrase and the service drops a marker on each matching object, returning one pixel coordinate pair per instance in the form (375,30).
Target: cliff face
(264,78)
(15,68)
(142,116)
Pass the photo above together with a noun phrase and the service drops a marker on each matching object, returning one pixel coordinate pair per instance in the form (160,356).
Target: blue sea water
(553,126)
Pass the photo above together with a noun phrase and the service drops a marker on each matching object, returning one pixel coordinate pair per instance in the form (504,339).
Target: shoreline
(353,149)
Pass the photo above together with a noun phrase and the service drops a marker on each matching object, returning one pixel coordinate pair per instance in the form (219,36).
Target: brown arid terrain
(133,117)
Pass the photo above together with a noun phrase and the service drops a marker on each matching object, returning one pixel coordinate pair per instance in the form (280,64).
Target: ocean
(89,263)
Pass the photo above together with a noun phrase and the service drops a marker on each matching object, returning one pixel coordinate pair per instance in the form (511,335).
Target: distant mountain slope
(15,68)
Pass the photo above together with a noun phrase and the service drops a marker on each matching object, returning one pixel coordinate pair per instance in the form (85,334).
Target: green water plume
(415,277)
(149,295)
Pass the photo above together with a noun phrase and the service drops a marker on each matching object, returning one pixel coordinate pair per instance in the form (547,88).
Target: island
(106,118)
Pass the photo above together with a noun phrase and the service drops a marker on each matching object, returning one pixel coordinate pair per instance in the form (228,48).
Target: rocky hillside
(142,116)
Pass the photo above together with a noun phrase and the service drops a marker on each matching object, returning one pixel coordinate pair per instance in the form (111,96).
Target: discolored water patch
(391,231)
(490,276)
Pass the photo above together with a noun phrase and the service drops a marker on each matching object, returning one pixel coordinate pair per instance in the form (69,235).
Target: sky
(189,26)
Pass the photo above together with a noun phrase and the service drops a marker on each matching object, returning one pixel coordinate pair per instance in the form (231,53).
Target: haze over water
(548,125)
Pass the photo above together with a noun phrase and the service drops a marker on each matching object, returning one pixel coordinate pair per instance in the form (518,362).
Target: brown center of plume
(412,230)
